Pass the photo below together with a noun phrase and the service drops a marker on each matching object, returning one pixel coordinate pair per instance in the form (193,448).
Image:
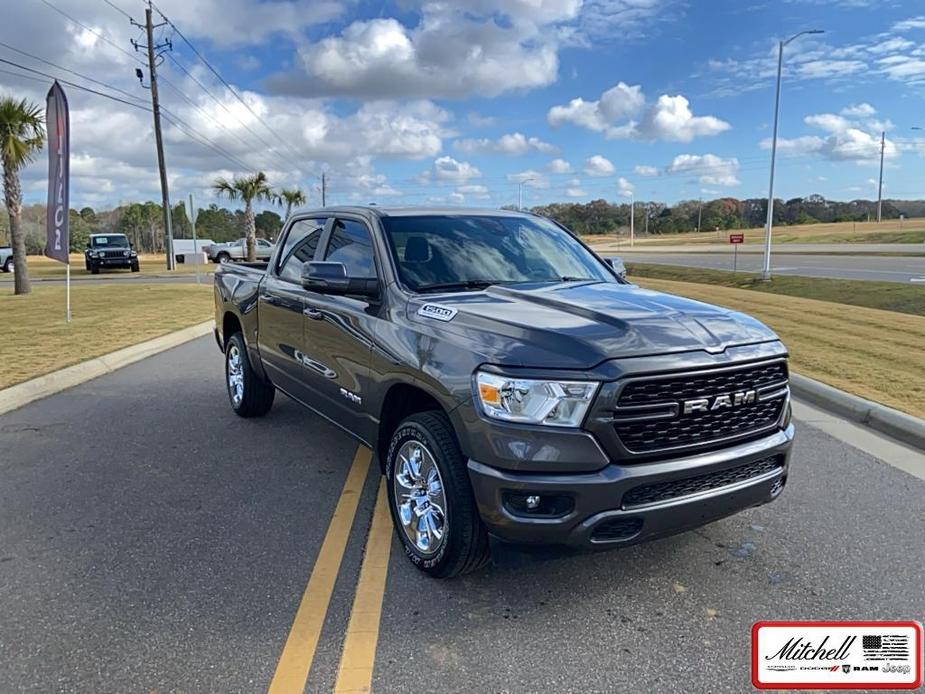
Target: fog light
(533,502)
(534,505)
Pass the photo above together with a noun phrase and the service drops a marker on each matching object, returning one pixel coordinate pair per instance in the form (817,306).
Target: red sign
(736,238)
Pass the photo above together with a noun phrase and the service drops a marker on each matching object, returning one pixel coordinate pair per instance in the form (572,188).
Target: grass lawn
(106,317)
(41,267)
(889,231)
(872,353)
(889,296)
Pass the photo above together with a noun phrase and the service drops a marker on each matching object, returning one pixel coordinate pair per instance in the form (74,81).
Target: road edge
(899,425)
(21,394)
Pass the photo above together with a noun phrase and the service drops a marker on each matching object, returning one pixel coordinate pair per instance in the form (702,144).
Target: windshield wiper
(466,284)
(568,278)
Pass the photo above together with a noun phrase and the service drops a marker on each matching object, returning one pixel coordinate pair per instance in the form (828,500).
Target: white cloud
(559,166)
(852,136)
(624,187)
(864,110)
(647,171)
(530,178)
(709,169)
(477,191)
(576,193)
(621,112)
(449,169)
(513,144)
(598,166)
(910,24)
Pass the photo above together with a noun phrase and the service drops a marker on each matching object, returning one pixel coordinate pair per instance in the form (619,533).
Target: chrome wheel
(420,497)
(235,375)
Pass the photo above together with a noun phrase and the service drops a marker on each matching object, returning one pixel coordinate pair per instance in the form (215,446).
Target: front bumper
(607,507)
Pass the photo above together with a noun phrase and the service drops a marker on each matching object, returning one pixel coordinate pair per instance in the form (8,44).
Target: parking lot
(150,540)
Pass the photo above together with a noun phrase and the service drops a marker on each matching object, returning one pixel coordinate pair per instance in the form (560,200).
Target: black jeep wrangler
(110,251)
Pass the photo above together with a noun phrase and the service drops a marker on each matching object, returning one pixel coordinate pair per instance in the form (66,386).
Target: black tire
(8,265)
(464,545)
(95,269)
(222,258)
(257,395)
(135,267)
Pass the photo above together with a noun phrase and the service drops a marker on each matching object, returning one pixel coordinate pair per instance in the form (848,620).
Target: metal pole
(766,274)
(324,190)
(165,194)
(67,311)
(699,214)
(520,195)
(192,222)
(632,219)
(880,186)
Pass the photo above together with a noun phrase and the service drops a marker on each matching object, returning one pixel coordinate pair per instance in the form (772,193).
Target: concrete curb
(901,426)
(21,394)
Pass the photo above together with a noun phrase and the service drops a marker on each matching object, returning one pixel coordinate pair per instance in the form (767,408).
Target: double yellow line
(359,652)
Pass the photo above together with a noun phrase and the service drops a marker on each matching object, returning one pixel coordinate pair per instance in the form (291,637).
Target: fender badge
(437,312)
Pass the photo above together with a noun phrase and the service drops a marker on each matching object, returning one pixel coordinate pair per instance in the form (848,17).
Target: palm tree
(249,189)
(290,197)
(22,134)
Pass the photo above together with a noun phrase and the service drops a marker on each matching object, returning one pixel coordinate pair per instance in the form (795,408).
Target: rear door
(281,303)
(338,331)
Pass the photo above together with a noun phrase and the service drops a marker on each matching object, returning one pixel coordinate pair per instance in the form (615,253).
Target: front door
(281,309)
(338,330)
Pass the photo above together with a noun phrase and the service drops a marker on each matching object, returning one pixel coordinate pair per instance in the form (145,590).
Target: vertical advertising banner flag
(57,123)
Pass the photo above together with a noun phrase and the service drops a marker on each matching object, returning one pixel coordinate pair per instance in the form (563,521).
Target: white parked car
(6,258)
(236,250)
(186,250)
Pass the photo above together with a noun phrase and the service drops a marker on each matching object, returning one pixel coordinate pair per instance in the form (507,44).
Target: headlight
(126,253)
(92,254)
(554,403)
(134,253)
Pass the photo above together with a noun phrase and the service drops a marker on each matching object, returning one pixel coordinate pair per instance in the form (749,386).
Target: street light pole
(520,193)
(880,185)
(766,273)
(632,219)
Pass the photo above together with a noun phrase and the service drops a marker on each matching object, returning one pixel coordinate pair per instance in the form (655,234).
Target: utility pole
(520,193)
(324,190)
(699,214)
(880,186)
(632,219)
(153,55)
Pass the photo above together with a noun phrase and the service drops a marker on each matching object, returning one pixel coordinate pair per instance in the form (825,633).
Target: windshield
(474,251)
(118,240)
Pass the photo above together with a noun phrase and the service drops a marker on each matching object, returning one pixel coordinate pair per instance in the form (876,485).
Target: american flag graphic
(885,647)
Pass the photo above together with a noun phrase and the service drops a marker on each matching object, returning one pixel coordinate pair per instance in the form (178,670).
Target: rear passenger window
(350,244)
(301,242)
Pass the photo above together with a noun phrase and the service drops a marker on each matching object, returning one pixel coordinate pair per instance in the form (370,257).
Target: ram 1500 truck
(512,385)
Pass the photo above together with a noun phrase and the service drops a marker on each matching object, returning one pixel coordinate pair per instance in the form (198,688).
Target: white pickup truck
(237,250)
(6,258)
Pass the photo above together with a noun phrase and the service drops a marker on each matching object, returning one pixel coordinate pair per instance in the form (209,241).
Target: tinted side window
(301,242)
(350,244)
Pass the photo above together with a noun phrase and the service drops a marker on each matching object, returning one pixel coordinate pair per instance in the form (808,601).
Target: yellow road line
(355,673)
(299,651)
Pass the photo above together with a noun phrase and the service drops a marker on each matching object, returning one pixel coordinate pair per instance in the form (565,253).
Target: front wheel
(8,265)
(250,396)
(135,267)
(431,501)
(222,258)
(94,269)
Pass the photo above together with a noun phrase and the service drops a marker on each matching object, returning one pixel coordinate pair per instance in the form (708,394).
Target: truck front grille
(699,409)
(665,491)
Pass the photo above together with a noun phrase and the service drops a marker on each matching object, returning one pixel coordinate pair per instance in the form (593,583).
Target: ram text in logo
(720,402)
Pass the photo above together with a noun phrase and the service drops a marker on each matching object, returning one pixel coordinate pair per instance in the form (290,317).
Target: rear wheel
(222,258)
(8,265)
(250,396)
(431,501)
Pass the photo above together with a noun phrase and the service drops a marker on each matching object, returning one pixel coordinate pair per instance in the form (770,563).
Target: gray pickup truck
(514,388)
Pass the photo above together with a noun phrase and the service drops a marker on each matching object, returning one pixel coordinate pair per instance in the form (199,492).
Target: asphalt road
(852,267)
(152,541)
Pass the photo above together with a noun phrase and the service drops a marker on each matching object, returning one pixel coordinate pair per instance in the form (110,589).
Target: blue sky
(429,102)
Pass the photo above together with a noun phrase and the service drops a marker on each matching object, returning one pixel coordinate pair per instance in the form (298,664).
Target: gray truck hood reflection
(579,325)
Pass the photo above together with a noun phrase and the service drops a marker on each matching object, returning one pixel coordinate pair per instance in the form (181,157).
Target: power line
(69,71)
(75,85)
(118,9)
(92,31)
(185,127)
(225,82)
(219,102)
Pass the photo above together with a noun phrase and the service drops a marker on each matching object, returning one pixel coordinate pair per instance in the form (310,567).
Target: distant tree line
(143,223)
(602,217)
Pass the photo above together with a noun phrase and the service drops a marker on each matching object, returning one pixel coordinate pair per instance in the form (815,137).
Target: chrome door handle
(313,313)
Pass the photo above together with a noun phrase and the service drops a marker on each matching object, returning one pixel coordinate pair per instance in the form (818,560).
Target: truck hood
(580,325)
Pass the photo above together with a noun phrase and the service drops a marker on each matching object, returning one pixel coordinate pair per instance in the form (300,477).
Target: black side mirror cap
(331,278)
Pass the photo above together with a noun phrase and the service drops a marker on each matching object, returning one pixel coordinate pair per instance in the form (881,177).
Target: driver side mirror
(331,278)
